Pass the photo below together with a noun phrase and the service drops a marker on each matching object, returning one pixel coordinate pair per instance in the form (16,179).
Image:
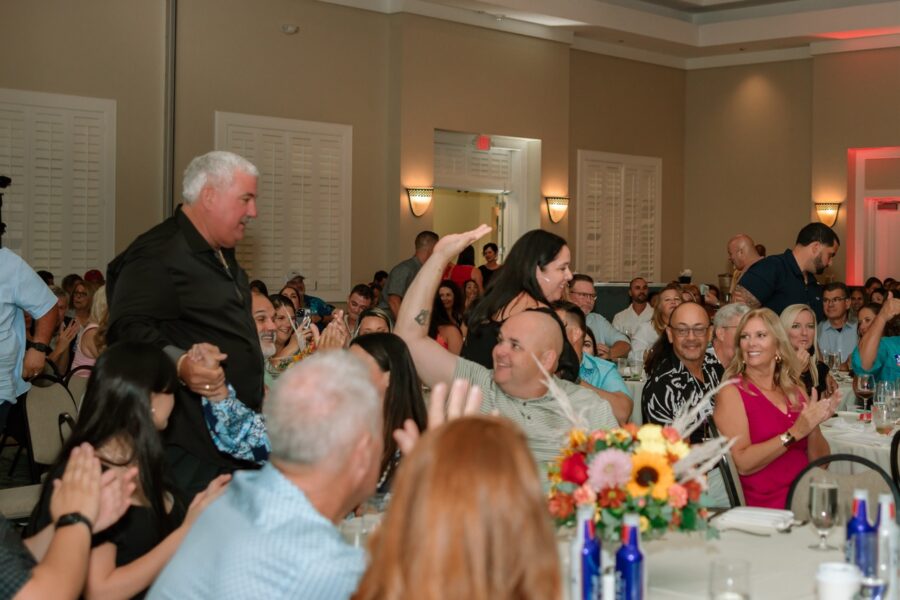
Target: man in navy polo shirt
(780,280)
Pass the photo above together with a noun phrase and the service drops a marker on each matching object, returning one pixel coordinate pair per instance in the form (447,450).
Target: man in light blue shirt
(272,534)
(611,343)
(836,335)
(21,289)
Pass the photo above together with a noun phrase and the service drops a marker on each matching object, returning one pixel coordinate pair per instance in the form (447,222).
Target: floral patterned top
(236,429)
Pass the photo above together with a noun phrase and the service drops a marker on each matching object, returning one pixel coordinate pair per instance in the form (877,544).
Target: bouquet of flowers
(627,470)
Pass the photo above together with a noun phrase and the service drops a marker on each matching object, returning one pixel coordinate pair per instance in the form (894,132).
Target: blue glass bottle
(630,573)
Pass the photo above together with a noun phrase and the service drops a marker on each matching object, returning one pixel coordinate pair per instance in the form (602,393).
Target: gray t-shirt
(542,419)
(399,280)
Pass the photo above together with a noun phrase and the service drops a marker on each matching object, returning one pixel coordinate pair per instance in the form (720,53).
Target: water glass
(883,417)
(833,361)
(729,579)
(884,391)
(622,365)
(823,509)
(637,368)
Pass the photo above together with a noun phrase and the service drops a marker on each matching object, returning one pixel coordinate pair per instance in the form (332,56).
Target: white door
(886,257)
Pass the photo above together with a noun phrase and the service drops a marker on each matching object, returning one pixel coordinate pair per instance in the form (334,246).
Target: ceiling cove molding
(699,36)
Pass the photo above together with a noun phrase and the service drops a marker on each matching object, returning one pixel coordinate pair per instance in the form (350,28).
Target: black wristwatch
(72,519)
(39,346)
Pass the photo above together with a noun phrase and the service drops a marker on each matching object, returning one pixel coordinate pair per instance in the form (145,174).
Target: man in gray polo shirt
(515,387)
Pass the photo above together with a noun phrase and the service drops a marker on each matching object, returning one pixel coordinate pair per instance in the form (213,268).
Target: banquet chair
(17,503)
(47,406)
(730,477)
(872,478)
(76,384)
(895,468)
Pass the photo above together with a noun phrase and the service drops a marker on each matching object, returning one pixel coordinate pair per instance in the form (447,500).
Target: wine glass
(823,509)
(865,388)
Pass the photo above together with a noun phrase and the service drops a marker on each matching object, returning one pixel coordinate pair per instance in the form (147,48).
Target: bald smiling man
(514,387)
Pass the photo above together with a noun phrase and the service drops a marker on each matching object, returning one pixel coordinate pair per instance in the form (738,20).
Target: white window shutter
(60,153)
(618,210)
(303,200)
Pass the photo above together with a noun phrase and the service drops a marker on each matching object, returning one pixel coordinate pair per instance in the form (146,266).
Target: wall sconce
(827,212)
(557,207)
(419,199)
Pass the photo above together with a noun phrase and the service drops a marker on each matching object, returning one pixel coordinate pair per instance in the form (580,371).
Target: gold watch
(787,438)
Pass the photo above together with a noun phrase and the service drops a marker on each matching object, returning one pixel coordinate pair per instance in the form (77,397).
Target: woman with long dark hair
(464,269)
(129,397)
(398,382)
(535,274)
(446,316)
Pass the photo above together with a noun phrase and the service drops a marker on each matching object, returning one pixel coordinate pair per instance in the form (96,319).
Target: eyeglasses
(833,300)
(79,294)
(682,332)
(583,295)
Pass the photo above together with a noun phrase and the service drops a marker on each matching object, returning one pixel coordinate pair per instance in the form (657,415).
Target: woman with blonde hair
(799,321)
(91,340)
(767,411)
(664,303)
(467,521)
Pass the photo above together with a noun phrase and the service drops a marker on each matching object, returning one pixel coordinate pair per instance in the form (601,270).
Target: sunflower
(650,474)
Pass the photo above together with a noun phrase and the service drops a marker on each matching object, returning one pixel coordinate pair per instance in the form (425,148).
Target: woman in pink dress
(768,411)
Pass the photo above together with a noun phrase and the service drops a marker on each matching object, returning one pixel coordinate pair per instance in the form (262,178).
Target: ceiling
(681,33)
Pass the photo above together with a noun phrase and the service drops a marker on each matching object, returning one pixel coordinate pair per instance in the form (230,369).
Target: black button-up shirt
(170,289)
(777,282)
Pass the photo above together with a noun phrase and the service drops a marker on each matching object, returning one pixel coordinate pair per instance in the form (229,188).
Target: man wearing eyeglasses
(611,343)
(680,370)
(836,334)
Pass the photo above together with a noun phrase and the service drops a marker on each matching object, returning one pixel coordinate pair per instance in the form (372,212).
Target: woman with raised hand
(535,273)
(128,401)
(767,411)
(53,563)
(879,347)
(467,519)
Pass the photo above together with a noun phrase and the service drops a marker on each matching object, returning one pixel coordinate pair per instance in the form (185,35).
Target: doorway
(873,221)
(479,177)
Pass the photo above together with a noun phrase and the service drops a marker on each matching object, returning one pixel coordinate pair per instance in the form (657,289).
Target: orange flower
(671,434)
(611,498)
(561,505)
(631,428)
(678,496)
(584,495)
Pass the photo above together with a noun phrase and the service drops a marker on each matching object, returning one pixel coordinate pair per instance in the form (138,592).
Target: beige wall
(111,49)
(233,57)
(628,107)
(856,105)
(747,145)
(460,78)
(745,148)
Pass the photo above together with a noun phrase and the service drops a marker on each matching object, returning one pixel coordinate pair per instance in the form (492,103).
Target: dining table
(846,434)
(781,565)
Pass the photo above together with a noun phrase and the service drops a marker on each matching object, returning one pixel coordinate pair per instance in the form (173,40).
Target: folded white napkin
(754,518)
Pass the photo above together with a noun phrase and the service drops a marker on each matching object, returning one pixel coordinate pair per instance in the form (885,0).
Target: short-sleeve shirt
(20,289)
(16,562)
(887,361)
(604,331)
(630,321)
(542,419)
(602,374)
(400,279)
(833,341)
(777,282)
(671,385)
(262,539)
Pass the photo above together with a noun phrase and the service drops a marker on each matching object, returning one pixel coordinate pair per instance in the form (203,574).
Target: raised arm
(868,345)
(434,363)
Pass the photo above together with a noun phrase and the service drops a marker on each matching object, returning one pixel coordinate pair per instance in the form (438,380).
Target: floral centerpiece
(627,470)
(650,470)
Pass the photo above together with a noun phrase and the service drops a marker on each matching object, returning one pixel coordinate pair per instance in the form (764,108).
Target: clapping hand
(78,491)
(67,333)
(803,358)
(116,488)
(336,334)
(462,400)
(816,411)
(890,308)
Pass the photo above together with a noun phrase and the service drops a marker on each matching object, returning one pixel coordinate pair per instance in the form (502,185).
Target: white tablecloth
(635,388)
(782,566)
(847,436)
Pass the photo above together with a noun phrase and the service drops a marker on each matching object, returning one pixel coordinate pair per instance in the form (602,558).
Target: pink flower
(584,495)
(610,468)
(678,496)
(671,435)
